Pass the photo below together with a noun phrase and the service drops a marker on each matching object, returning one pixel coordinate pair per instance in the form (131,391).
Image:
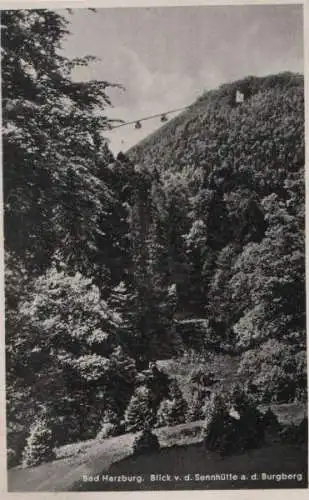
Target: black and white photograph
(153,174)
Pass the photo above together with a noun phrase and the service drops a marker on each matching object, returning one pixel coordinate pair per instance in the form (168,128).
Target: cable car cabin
(138,125)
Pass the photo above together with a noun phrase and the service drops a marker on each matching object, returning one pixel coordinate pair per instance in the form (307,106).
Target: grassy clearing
(225,369)
(90,457)
(93,456)
(289,413)
(222,365)
(194,461)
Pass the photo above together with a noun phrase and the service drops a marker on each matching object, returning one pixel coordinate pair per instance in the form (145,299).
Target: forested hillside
(192,240)
(228,183)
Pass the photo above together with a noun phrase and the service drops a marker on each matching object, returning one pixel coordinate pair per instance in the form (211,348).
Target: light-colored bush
(39,447)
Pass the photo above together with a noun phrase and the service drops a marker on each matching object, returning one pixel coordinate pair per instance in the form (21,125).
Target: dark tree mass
(192,240)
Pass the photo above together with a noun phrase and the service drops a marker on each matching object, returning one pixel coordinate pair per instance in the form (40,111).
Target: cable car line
(150,117)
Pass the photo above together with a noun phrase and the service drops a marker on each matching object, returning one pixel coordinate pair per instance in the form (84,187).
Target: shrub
(217,424)
(277,370)
(295,434)
(39,447)
(12,459)
(107,430)
(302,431)
(158,384)
(195,408)
(270,421)
(212,406)
(172,411)
(232,427)
(16,441)
(165,413)
(198,405)
(221,433)
(251,422)
(147,442)
(110,425)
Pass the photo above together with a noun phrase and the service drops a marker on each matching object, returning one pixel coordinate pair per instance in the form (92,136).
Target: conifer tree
(139,413)
(196,406)
(172,411)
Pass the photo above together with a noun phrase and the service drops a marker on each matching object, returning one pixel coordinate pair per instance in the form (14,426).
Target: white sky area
(168,56)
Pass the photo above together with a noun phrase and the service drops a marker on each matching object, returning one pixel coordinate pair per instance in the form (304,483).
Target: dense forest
(192,240)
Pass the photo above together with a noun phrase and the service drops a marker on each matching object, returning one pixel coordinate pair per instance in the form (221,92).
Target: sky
(166,57)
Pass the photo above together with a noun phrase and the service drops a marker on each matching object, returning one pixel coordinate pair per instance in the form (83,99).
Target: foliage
(251,423)
(172,411)
(201,378)
(107,430)
(12,459)
(215,405)
(271,423)
(68,351)
(40,443)
(157,383)
(220,427)
(277,371)
(139,412)
(198,405)
(58,191)
(295,434)
(195,407)
(194,240)
(239,171)
(110,425)
(233,427)
(146,443)
(54,155)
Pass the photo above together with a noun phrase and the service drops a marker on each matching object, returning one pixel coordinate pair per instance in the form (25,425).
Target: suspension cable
(150,117)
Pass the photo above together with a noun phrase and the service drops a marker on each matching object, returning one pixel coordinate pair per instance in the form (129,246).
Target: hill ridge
(214,100)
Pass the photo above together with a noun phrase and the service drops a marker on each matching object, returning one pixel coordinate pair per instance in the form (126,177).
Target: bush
(250,429)
(302,431)
(110,425)
(270,421)
(295,434)
(218,425)
(172,411)
(251,422)
(195,408)
(39,447)
(158,384)
(12,459)
(165,415)
(232,427)
(212,406)
(147,442)
(277,370)
(108,430)
(16,442)
(221,433)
